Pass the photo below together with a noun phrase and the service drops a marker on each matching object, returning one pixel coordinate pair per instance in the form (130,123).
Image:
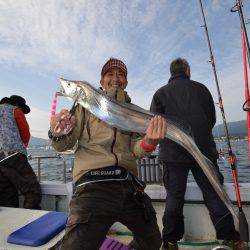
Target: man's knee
(151,242)
(174,205)
(85,229)
(155,242)
(83,236)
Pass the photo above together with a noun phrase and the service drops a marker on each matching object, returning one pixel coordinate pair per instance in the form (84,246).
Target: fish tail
(205,164)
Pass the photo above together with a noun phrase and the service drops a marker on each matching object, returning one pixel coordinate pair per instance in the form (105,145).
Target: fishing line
(221,147)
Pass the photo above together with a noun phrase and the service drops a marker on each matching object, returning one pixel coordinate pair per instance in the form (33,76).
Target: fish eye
(68,85)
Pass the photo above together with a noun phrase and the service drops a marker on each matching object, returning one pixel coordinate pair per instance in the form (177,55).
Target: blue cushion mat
(39,231)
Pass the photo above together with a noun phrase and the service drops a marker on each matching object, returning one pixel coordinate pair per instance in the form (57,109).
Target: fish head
(69,88)
(73,89)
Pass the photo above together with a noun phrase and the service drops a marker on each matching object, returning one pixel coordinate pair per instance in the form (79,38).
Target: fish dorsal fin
(184,126)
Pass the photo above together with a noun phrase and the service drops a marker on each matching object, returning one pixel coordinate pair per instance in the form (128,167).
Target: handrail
(149,169)
(58,156)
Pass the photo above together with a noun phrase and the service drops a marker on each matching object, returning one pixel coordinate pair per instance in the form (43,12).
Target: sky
(41,41)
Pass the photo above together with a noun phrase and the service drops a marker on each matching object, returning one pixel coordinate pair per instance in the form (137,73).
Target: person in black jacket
(190,104)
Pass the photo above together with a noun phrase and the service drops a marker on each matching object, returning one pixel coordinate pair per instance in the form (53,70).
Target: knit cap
(114,62)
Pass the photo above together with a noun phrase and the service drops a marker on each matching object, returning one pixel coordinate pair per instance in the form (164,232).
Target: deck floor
(14,218)
(126,239)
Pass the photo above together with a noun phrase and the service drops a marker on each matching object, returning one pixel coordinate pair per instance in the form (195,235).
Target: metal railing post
(39,169)
(64,170)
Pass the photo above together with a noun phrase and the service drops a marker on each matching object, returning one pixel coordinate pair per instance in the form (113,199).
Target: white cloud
(39,122)
(77,36)
(74,38)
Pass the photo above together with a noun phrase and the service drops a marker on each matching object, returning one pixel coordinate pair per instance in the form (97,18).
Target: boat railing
(149,169)
(58,156)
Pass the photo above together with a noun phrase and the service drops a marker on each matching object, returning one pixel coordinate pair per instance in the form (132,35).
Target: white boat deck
(198,226)
(15,218)
(12,219)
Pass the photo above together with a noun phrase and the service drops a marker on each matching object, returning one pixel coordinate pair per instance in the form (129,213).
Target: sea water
(52,169)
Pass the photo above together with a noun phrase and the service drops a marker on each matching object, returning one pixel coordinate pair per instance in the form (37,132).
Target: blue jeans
(175,180)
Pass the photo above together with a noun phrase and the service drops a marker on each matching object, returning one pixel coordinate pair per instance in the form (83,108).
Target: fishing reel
(237,6)
(246,105)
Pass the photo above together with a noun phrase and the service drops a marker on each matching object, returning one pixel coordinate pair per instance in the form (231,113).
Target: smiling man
(105,173)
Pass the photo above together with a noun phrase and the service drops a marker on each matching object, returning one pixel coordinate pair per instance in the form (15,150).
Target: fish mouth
(71,89)
(68,88)
(61,92)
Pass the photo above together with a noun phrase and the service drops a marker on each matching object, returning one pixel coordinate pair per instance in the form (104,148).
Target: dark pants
(95,207)
(16,175)
(175,181)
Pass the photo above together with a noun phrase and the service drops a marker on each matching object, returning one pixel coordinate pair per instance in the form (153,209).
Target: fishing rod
(238,8)
(246,54)
(246,106)
(243,225)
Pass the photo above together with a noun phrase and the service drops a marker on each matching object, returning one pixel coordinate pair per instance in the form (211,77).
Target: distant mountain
(238,128)
(34,141)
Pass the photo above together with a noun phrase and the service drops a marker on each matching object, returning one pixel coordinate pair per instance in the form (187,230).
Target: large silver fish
(132,118)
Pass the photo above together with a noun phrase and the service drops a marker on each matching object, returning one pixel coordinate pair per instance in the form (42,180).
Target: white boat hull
(56,197)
